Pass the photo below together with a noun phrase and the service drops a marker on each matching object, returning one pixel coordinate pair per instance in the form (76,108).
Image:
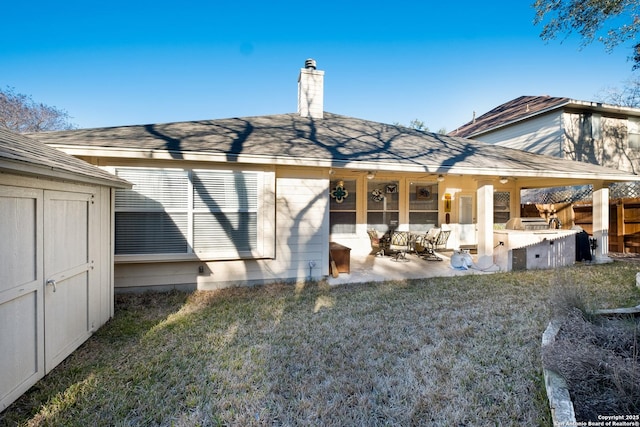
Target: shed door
(67,271)
(21,308)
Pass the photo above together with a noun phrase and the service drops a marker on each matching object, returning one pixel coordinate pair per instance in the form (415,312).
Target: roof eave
(363,165)
(602,107)
(35,170)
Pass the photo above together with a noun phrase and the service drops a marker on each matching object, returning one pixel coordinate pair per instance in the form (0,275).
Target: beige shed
(56,258)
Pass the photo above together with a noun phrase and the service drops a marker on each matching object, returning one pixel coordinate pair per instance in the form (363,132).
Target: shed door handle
(52,282)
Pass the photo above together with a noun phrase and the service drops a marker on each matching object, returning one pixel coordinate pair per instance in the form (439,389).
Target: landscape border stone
(562,411)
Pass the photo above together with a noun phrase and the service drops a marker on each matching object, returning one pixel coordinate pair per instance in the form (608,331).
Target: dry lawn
(599,357)
(461,351)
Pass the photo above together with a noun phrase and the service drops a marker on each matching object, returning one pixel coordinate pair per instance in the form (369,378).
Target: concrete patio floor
(370,268)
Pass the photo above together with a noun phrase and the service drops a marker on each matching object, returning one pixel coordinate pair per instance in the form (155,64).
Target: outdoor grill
(527,224)
(530,243)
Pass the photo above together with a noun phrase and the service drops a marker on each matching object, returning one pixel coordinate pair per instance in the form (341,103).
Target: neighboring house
(589,132)
(249,200)
(56,258)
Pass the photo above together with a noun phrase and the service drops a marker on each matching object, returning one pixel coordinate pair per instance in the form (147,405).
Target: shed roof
(333,141)
(22,155)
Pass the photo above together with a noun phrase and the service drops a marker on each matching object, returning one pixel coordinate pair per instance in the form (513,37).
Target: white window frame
(263,207)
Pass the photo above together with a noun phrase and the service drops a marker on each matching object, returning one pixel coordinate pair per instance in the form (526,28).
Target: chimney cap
(310,64)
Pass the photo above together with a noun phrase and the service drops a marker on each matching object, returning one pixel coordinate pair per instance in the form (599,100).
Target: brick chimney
(310,91)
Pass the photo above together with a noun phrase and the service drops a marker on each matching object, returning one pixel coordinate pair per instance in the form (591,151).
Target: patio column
(600,214)
(484,197)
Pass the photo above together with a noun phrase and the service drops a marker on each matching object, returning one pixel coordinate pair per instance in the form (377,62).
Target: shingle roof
(20,154)
(335,140)
(513,110)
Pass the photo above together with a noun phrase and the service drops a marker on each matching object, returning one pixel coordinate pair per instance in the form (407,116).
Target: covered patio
(371,268)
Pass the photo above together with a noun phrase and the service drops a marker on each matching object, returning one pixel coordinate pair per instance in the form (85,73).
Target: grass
(446,351)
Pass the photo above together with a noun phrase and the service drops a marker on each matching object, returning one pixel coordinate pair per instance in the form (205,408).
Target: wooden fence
(624,220)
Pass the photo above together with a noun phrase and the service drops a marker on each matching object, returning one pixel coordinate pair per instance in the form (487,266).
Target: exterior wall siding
(616,151)
(580,143)
(602,140)
(541,135)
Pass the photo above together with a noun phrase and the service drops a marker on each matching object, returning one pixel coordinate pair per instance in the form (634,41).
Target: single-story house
(247,200)
(56,258)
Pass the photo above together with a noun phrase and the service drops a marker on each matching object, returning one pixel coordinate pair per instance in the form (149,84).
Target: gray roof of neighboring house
(524,107)
(333,141)
(26,156)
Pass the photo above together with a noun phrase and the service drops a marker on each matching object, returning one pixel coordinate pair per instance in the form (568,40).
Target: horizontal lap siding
(541,135)
(302,233)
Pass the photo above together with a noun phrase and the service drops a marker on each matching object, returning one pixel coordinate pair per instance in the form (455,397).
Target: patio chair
(421,243)
(378,244)
(437,240)
(400,243)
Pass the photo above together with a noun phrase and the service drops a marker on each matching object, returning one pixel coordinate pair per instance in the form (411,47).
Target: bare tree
(628,96)
(20,113)
(611,22)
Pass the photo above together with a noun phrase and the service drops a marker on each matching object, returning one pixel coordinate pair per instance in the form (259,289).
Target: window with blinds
(208,213)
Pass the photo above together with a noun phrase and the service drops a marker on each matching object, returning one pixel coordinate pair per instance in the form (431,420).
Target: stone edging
(562,412)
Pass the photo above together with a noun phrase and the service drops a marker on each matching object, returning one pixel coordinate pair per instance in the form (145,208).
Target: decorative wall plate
(377,195)
(423,193)
(339,192)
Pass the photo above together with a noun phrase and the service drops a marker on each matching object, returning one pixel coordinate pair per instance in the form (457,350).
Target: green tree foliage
(611,22)
(20,113)
(420,125)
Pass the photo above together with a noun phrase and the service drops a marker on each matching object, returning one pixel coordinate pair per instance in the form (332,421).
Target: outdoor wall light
(504,180)
(440,178)
(371,175)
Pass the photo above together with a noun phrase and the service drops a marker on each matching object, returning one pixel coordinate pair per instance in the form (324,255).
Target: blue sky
(140,62)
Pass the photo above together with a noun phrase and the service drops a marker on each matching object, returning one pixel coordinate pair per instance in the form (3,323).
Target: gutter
(35,170)
(358,165)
